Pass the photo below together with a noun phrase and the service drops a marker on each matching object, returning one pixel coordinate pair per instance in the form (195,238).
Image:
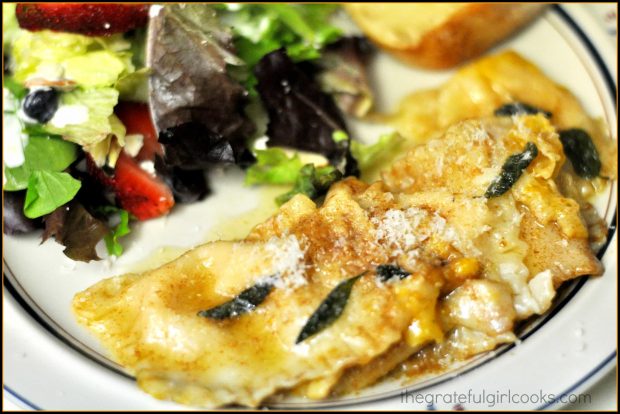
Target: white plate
(53,363)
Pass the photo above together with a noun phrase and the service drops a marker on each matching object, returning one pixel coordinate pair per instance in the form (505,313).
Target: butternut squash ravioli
(458,240)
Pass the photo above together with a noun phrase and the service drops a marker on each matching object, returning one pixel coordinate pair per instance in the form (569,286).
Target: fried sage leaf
(245,302)
(512,170)
(581,152)
(520,108)
(387,271)
(330,309)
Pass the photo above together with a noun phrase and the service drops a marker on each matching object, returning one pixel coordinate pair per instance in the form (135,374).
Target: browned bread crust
(467,33)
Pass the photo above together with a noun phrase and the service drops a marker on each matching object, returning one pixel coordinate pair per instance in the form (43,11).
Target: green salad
(98,137)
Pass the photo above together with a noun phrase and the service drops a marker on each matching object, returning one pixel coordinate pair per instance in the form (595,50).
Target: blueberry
(41,104)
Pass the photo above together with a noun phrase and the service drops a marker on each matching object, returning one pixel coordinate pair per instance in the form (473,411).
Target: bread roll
(439,35)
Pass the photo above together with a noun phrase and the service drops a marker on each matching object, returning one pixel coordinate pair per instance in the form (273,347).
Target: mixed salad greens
(83,157)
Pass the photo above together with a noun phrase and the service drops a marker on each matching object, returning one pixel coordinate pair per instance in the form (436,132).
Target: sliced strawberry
(142,194)
(90,19)
(137,120)
(139,192)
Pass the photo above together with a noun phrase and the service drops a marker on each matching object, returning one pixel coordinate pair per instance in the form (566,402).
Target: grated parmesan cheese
(403,231)
(439,165)
(480,135)
(398,229)
(288,267)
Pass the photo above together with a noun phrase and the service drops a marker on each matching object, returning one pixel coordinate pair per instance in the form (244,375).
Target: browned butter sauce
(232,228)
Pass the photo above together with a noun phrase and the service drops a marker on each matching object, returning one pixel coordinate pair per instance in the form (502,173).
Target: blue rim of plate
(601,366)
(569,291)
(21,399)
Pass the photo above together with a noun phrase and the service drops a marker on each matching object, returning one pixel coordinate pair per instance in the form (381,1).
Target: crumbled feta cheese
(12,130)
(25,118)
(69,115)
(133,144)
(148,166)
(261,143)
(14,141)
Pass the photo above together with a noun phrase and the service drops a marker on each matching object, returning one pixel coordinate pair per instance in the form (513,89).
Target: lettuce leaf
(109,66)
(134,86)
(42,52)
(122,229)
(192,146)
(48,190)
(44,153)
(312,182)
(75,228)
(87,61)
(188,186)
(302,29)
(15,222)
(10,27)
(116,43)
(100,104)
(17,90)
(189,56)
(301,116)
(273,166)
(368,156)
(343,74)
